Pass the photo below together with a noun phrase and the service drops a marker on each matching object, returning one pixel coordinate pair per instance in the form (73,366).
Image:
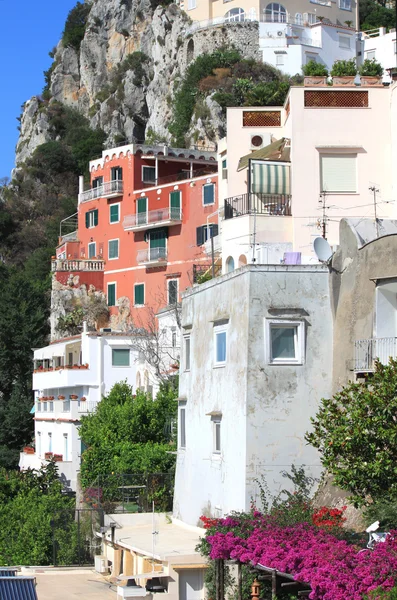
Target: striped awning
(270,178)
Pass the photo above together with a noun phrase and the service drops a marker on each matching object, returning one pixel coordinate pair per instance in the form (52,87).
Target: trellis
(261,118)
(336,99)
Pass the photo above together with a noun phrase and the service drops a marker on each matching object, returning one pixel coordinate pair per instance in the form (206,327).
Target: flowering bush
(334,569)
(329,517)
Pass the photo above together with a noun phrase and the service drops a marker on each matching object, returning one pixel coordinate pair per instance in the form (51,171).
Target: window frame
(92,216)
(299,341)
(91,244)
(110,213)
(118,249)
(182,430)
(115,292)
(367,54)
(136,285)
(66,447)
(345,38)
(341,2)
(216,426)
(335,154)
(168,291)
(153,181)
(219,329)
(121,350)
(213,196)
(187,342)
(192,4)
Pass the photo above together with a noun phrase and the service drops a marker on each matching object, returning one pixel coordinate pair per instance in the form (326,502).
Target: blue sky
(29,31)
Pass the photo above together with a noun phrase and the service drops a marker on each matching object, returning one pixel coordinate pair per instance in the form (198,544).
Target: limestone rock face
(129,103)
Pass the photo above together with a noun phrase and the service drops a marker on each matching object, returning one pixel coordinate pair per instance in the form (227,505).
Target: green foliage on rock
(356,434)
(129,433)
(76,24)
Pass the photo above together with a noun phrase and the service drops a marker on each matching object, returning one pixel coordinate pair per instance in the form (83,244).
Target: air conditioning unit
(280,33)
(101,565)
(256,142)
(106,330)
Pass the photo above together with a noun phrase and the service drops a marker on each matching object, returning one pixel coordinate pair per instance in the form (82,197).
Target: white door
(191,584)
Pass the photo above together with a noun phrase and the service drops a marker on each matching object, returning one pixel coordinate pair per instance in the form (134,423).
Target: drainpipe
(156,166)
(81,185)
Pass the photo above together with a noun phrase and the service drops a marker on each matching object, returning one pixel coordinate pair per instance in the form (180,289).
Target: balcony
(153,218)
(152,257)
(63,377)
(367,351)
(77,265)
(87,406)
(186,175)
(259,204)
(110,189)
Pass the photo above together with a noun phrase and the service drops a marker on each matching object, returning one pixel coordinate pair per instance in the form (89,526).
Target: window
(216,425)
(111,294)
(38,406)
(208,193)
(149,174)
(51,407)
(91,218)
(182,427)
(120,357)
(187,352)
(206,232)
(97,182)
(298,19)
(175,205)
(92,250)
(285,342)
(224,168)
(235,14)
(139,294)
(310,57)
(344,41)
(370,55)
(229,264)
(191,4)
(50,442)
(66,406)
(173,339)
(338,173)
(114,213)
(157,244)
(279,60)
(275,13)
(113,249)
(65,446)
(220,341)
(172,291)
(44,406)
(116,174)
(345,4)
(312,18)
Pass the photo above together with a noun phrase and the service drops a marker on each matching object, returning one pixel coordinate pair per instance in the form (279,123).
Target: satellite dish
(373,527)
(322,249)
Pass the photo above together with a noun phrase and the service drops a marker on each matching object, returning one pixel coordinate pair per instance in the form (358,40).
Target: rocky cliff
(124,74)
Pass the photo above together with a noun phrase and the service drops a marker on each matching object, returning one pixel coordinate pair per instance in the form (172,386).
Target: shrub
(314,69)
(371,68)
(344,68)
(75,26)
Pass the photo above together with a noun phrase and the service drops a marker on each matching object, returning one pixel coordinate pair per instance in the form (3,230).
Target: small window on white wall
(191,4)
(338,173)
(285,342)
(279,60)
(220,345)
(216,425)
(229,264)
(187,352)
(182,426)
(344,41)
(370,55)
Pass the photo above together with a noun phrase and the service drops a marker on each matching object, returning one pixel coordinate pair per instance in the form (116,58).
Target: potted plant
(371,72)
(315,74)
(349,23)
(60,397)
(48,455)
(58,457)
(83,399)
(28,450)
(343,72)
(73,396)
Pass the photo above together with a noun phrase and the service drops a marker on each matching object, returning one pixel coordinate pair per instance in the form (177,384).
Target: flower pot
(313,81)
(73,397)
(83,399)
(48,455)
(346,80)
(50,397)
(371,81)
(58,457)
(28,450)
(61,397)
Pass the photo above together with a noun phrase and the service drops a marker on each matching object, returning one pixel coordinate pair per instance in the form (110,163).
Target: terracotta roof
(278,150)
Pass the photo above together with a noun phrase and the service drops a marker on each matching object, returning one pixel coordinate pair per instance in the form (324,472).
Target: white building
(381,46)
(70,378)
(256,360)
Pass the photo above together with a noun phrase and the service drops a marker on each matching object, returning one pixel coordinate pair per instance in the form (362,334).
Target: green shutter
(113,248)
(114,213)
(270,179)
(141,217)
(95,217)
(175,205)
(111,294)
(139,294)
(120,357)
(209,193)
(157,240)
(87,219)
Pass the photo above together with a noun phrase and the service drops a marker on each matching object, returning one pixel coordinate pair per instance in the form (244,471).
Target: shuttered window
(139,294)
(91,218)
(338,172)
(113,249)
(114,213)
(202,233)
(209,193)
(175,205)
(344,41)
(120,357)
(111,294)
(270,179)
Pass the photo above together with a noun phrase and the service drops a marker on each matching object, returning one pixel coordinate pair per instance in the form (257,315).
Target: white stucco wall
(265,409)
(383,45)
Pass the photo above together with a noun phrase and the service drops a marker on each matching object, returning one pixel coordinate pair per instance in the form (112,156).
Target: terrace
(152,218)
(109,189)
(367,351)
(258,204)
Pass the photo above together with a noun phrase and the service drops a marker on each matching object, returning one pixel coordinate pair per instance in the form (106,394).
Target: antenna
(323,222)
(375,190)
(254,240)
(322,249)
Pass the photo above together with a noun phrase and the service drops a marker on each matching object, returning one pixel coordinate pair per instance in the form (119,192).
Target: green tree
(355,432)
(374,14)
(75,25)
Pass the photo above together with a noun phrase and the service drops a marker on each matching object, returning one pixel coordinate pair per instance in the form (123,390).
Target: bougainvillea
(329,517)
(335,569)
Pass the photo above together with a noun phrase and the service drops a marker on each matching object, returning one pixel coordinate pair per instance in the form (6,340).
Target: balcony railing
(152,256)
(161,216)
(88,406)
(77,265)
(109,189)
(260,204)
(367,351)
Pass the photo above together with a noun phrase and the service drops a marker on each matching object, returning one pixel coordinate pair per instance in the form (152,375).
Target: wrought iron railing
(77,265)
(260,204)
(154,255)
(109,188)
(160,215)
(369,350)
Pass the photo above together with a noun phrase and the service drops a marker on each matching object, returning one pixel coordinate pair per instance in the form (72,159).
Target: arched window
(235,14)
(298,19)
(242,260)
(229,264)
(275,13)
